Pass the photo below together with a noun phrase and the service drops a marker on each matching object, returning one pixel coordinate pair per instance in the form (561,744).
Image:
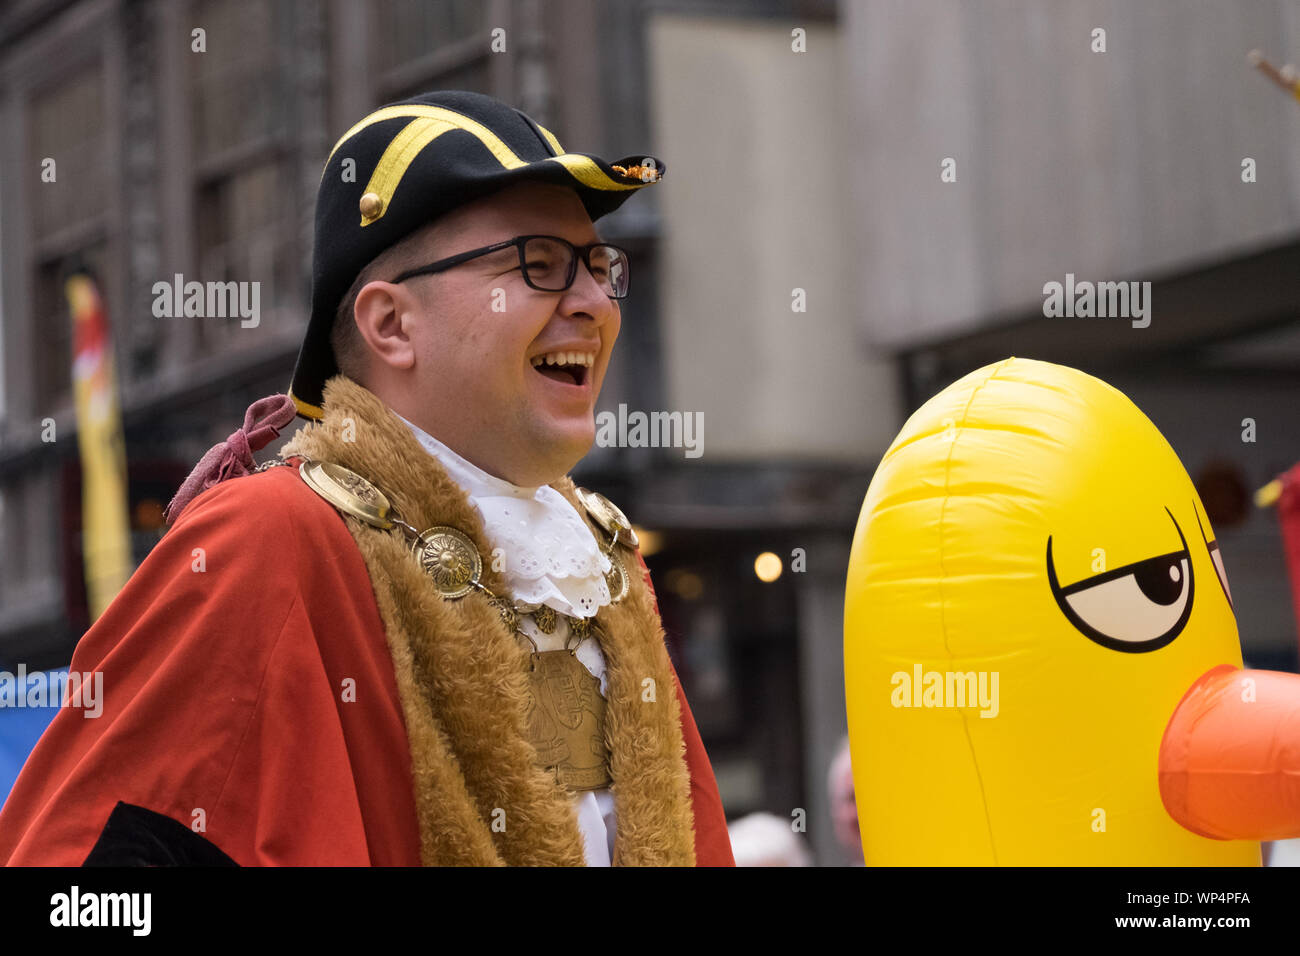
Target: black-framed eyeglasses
(549,263)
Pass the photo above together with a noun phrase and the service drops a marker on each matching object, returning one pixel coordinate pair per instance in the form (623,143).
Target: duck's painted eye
(1215,556)
(1140,607)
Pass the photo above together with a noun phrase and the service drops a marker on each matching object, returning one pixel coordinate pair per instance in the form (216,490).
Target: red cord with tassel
(233,458)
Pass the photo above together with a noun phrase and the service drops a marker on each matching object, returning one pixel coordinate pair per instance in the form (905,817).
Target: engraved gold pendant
(348,491)
(450,558)
(566,721)
(606,514)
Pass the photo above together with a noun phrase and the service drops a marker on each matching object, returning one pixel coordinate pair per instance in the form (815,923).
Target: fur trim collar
(461,676)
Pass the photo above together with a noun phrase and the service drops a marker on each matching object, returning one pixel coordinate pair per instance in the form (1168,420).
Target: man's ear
(381,315)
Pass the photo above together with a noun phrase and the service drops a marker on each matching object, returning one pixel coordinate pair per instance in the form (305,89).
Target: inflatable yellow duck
(1041,659)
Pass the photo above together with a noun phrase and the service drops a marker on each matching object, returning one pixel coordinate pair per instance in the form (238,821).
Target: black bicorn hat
(408,163)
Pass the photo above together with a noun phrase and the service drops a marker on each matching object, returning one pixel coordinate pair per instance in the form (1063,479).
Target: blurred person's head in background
(762,839)
(844,807)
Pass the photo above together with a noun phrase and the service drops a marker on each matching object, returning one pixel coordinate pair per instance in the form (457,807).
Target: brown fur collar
(461,676)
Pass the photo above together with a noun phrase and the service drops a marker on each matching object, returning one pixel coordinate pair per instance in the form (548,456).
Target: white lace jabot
(549,554)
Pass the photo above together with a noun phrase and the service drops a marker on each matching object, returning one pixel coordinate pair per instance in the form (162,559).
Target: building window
(420,46)
(69,217)
(245,224)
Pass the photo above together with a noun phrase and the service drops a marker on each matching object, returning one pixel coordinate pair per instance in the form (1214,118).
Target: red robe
(222,659)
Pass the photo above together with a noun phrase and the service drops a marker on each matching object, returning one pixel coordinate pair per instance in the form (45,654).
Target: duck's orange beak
(1230,757)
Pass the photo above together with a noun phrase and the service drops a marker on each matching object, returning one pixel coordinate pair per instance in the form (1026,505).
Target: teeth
(585,359)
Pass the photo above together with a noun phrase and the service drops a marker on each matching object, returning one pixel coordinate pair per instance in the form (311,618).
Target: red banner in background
(105,526)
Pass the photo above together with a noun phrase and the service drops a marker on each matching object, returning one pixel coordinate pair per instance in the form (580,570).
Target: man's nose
(588,297)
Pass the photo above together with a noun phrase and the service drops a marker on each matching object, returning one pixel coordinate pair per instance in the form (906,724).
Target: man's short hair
(351,353)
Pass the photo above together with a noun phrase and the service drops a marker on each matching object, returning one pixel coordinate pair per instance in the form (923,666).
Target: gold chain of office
(566,713)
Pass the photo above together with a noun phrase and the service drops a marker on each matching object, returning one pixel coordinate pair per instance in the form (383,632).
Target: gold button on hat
(371,205)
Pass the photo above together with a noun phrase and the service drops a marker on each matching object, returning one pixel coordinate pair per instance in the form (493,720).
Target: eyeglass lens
(547,263)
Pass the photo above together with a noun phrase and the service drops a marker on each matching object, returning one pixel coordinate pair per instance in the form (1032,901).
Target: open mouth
(569,368)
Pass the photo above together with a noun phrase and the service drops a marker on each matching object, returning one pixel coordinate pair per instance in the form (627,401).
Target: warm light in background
(767,566)
(149,514)
(685,584)
(651,541)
